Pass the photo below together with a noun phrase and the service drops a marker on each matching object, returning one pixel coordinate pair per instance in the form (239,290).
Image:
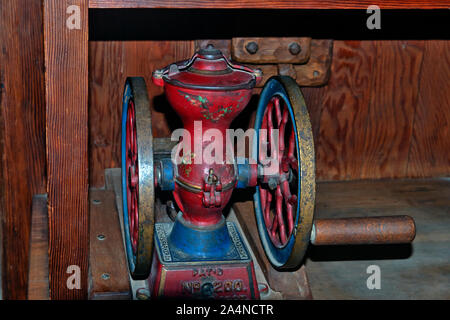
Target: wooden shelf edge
(258,4)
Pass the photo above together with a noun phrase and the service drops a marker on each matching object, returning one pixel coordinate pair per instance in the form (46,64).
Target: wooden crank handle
(364,230)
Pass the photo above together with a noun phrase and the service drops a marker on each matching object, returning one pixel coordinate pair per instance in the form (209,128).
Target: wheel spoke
(267,206)
(273,151)
(289,201)
(291,144)
(281,225)
(134,149)
(279,220)
(130,130)
(281,134)
(276,101)
(273,228)
(132,175)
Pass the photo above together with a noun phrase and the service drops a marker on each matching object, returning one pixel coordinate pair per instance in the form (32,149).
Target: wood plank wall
(109,65)
(22,135)
(385,112)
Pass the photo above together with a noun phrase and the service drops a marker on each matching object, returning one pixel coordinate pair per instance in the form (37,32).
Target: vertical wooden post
(66,60)
(22,136)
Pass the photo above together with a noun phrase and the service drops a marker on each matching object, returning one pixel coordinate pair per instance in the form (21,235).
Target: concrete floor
(417,271)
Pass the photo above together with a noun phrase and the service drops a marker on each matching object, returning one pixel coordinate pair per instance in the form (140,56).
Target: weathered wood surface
(343,106)
(429,152)
(38,288)
(273,4)
(417,271)
(66,59)
(316,71)
(365,126)
(107,255)
(22,136)
(107,262)
(369,109)
(391,109)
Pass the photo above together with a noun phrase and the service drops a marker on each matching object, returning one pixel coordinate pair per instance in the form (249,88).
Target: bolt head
(252,47)
(142,294)
(106,276)
(294,48)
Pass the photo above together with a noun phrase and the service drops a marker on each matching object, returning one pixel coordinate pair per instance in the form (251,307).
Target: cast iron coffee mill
(201,254)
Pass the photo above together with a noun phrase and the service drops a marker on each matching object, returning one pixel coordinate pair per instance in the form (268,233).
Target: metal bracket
(306,60)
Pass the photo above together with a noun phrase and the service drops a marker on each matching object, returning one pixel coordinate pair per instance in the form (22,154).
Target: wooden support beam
(22,136)
(66,60)
(271,50)
(316,71)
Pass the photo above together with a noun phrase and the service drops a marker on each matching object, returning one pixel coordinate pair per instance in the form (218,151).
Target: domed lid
(208,69)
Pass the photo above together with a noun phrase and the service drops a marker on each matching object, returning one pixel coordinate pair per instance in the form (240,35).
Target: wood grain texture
(280,4)
(370,106)
(22,135)
(66,59)
(344,110)
(110,64)
(107,253)
(393,101)
(316,71)
(313,98)
(367,121)
(38,288)
(429,153)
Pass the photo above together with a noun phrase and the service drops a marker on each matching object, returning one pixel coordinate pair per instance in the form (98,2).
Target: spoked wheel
(137,177)
(285,194)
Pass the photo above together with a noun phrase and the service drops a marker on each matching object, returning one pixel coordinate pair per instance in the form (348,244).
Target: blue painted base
(207,263)
(181,242)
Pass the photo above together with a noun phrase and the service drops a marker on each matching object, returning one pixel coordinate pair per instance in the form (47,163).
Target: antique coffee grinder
(201,254)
